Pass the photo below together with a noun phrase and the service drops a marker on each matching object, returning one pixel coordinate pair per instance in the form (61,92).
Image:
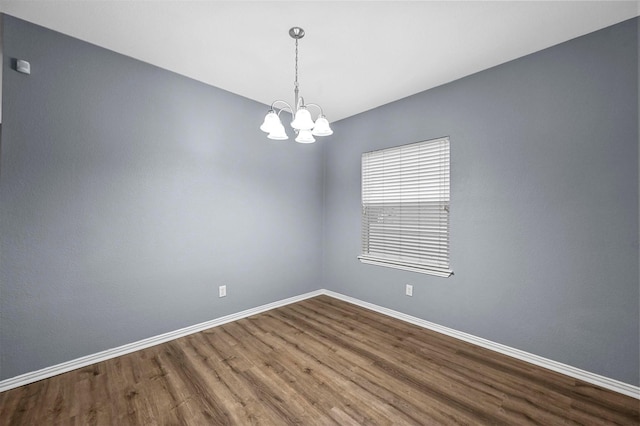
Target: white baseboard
(34,376)
(595,379)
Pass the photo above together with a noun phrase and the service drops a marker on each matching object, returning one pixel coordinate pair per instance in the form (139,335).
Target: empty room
(319,213)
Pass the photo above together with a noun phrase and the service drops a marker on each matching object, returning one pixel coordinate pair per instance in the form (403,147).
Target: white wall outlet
(23,66)
(408,290)
(222,291)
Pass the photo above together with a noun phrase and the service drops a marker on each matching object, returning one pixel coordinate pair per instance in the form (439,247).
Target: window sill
(439,272)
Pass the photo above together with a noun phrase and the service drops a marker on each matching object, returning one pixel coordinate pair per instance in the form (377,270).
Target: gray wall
(128,194)
(544,216)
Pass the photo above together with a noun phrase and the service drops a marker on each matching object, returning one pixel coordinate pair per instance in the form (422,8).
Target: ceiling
(356,55)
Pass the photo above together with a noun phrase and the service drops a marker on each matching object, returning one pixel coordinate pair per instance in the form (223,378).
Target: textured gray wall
(128,194)
(544,196)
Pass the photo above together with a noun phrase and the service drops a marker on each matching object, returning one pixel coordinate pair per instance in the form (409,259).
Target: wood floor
(317,362)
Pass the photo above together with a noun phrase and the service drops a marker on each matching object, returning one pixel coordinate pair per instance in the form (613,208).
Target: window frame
(405,202)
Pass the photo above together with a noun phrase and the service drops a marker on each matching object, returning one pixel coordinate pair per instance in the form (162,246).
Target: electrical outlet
(408,290)
(222,291)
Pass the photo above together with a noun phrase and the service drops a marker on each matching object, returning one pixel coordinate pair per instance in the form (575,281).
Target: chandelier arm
(317,106)
(299,102)
(287,106)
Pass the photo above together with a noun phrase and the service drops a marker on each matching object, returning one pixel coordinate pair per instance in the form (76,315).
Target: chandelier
(302,123)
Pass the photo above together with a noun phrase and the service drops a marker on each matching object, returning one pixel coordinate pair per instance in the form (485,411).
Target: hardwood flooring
(317,362)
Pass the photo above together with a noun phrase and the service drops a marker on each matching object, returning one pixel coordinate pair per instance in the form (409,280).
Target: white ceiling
(356,55)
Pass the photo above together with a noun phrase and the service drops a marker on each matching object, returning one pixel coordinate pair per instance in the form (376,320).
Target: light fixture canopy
(302,123)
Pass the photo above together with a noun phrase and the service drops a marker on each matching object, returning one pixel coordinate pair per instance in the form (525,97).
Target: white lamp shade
(302,120)
(278,133)
(305,136)
(321,128)
(271,122)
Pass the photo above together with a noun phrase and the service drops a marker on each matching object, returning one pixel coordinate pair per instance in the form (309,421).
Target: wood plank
(320,361)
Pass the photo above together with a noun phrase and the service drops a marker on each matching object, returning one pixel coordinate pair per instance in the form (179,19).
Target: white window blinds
(405,207)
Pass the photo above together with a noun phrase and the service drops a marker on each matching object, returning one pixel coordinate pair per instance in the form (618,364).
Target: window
(405,207)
